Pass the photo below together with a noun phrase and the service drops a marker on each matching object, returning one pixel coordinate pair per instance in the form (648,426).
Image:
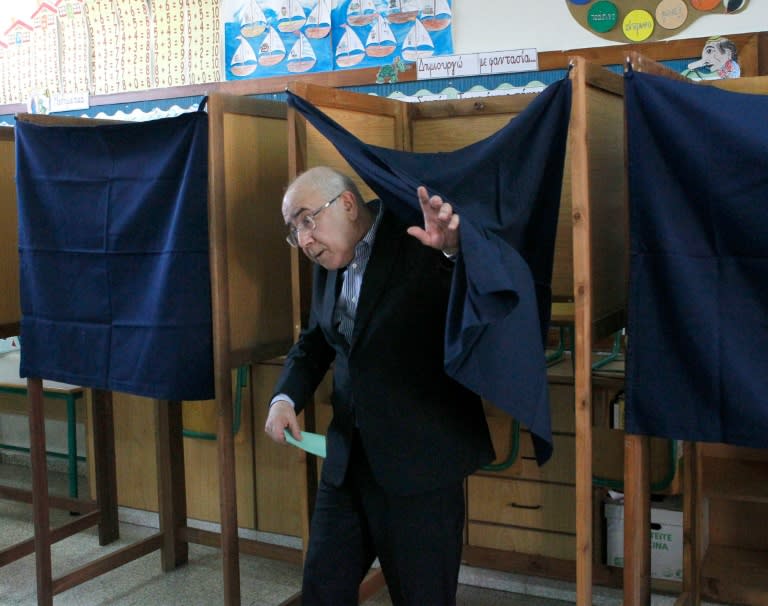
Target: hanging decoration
(646,20)
(278,37)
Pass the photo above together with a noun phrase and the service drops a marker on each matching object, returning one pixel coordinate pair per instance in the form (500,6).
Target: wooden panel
(378,130)
(521,540)
(53,408)
(372,129)
(608,206)
(733,575)
(202,470)
(278,468)
(135,443)
(561,405)
(756,85)
(735,479)
(453,132)
(248,170)
(10,310)
(521,503)
(728,451)
(256,172)
(374,120)
(608,459)
(738,523)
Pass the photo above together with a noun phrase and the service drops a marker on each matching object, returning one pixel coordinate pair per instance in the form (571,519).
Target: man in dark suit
(403,435)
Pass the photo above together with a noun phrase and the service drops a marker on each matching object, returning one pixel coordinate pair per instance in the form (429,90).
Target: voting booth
(250,321)
(724,542)
(589,274)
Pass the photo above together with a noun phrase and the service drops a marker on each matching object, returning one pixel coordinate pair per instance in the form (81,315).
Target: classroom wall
(547,25)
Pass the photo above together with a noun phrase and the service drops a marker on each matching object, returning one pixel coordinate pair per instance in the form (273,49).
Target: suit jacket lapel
(379,270)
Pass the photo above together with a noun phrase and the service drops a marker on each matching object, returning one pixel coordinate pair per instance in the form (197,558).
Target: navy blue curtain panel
(697,365)
(113,247)
(507,190)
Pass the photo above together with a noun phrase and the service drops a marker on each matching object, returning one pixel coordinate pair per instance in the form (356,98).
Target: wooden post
(637,521)
(40,503)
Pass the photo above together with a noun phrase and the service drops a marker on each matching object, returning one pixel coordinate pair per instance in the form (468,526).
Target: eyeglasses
(307,222)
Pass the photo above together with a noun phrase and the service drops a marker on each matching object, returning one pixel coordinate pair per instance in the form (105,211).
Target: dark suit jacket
(420,429)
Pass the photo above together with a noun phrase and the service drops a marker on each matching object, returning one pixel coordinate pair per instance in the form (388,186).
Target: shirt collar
(367,242)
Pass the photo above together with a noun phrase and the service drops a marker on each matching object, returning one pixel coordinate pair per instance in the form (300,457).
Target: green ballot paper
(313,443)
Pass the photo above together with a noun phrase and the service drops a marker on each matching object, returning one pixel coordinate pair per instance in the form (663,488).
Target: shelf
(736,480)
(735,576)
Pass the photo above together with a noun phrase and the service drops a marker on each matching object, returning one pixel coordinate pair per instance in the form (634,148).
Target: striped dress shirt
(346,304)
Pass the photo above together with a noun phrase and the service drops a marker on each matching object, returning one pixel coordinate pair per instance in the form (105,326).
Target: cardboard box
(666,537)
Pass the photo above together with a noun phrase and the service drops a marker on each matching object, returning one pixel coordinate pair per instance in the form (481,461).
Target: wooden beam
(637,521)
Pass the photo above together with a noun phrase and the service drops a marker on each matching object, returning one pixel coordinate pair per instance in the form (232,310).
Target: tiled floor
(142,583)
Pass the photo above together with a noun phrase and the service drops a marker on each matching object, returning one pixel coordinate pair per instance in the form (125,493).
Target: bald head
(338,216)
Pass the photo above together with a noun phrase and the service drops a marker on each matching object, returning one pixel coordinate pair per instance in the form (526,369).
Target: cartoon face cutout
(719,57)
(714,56)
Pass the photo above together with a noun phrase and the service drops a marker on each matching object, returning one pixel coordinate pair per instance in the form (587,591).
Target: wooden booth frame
(598,190)
(713,567)
(251,322)
(594,178)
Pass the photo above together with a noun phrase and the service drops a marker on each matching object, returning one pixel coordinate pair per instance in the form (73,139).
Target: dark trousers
(417,538)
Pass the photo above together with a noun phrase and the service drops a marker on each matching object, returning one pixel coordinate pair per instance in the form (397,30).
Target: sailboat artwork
(381,42)
(417,44)
(402,11)
(319,20)
(271,49)
(350,50)
(291,16)
(361,12)
(244,61)
(265,38)
(252,19)
(301,57)
(435,15)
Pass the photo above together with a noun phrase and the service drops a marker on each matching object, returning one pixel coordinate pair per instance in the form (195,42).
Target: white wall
(547,25)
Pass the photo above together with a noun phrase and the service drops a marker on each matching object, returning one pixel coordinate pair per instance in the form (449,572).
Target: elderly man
(403,435)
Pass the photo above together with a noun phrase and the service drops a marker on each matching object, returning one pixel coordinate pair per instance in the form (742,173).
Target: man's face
(331,242)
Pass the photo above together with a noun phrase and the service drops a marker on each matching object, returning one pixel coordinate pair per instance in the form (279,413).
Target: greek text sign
(497,62)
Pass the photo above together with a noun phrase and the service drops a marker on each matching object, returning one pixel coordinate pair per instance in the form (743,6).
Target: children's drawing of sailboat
(252,19)
(349,50)
(417,43)
(435,15)
(301,56)
(381,41)
(401,11)
(271,49)
(291,16)
(319,20)
(244,60)
(360,12)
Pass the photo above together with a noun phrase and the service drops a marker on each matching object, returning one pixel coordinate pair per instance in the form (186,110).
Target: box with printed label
(666,538)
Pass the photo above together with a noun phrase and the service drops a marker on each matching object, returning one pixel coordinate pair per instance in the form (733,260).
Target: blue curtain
(113,247)
(507,190)
(698,305)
